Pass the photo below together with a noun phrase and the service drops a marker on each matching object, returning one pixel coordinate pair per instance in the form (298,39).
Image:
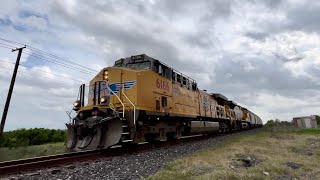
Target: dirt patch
(244,161)
(201,170)
(293,165)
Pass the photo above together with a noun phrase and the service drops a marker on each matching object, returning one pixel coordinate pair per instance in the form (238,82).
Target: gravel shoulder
(137,166)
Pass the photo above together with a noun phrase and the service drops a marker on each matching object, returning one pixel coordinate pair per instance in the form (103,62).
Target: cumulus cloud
(262,54)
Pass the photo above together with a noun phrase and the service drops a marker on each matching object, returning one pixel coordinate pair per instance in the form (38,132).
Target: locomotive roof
(231,104)
(143,58)
(221,99)
(219,96)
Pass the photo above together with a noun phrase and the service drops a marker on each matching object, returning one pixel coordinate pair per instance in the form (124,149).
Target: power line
(83,68)
(50,56)
(43,71)
(4,46)
(36,75)
(59,63)
(12,42)
(8,45)
(51,73)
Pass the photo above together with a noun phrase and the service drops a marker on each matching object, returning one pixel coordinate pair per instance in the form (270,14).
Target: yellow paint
(151,87)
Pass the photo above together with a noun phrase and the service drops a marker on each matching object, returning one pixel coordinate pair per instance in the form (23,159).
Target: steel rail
(14,166)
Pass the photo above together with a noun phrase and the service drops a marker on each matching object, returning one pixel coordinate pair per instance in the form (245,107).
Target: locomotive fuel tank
(204,126)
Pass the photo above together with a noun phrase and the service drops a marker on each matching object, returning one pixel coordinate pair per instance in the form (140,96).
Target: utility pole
(6,107)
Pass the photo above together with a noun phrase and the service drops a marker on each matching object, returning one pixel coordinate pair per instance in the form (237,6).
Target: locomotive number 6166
(164,85)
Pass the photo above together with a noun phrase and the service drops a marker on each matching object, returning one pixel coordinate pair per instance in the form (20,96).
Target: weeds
(278,149)
(313,131)
(7,154)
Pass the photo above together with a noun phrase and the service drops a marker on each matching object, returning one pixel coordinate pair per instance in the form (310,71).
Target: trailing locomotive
(142,99)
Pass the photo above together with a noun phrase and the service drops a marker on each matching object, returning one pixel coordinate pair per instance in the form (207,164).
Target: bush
(29,137)
(278,126)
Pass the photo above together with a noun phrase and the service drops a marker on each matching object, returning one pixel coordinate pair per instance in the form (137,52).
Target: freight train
(141,99)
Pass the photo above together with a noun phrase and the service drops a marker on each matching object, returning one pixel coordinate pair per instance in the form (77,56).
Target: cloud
(262,54)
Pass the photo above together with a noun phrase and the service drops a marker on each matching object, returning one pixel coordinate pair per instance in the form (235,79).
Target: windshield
(139,65)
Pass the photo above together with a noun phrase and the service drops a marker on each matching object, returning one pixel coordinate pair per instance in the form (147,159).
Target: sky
(262,54)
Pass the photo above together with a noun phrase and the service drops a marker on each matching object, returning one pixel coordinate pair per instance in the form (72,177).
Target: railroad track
(22,165)
(26,165)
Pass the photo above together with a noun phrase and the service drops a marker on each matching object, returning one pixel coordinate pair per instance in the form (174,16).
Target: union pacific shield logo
(115,87)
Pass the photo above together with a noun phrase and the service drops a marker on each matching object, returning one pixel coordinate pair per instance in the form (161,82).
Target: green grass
(7,154)
(313,131)
(273,147)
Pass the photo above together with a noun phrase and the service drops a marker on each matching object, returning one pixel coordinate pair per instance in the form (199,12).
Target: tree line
(30,137)
(277,122)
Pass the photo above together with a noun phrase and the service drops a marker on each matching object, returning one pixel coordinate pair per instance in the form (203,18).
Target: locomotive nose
(91,136)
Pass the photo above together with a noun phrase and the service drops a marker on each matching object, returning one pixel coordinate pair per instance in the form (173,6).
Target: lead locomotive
(142,99)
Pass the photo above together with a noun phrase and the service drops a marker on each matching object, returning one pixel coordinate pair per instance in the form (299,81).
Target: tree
(28,137)
(270,123)
(277,122)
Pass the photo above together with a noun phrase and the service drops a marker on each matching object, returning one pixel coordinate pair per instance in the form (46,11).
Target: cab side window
(184,81)
(178,78)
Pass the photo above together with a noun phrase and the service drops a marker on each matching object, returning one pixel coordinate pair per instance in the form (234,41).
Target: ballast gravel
(137,166)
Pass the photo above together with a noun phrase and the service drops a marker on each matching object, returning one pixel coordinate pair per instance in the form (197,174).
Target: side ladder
(126,135)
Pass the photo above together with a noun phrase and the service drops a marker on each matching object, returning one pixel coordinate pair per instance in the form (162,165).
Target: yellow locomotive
(142,99)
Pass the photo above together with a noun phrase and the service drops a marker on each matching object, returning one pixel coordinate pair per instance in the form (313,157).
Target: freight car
(142,99)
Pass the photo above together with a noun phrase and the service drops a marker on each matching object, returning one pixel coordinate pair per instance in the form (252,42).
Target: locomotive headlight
(76,105)
(103,99)
(105,75)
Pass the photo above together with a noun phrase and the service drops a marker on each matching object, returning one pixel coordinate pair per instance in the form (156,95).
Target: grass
(313,131)
(7,154)
(272,147)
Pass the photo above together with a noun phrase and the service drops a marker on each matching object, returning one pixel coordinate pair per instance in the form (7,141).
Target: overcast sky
(264,55)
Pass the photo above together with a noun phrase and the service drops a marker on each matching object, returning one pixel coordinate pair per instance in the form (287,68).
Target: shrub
(29,137)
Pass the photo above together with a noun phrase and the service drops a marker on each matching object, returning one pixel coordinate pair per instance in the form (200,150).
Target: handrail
(134,107)
(118,99)
(113,108)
